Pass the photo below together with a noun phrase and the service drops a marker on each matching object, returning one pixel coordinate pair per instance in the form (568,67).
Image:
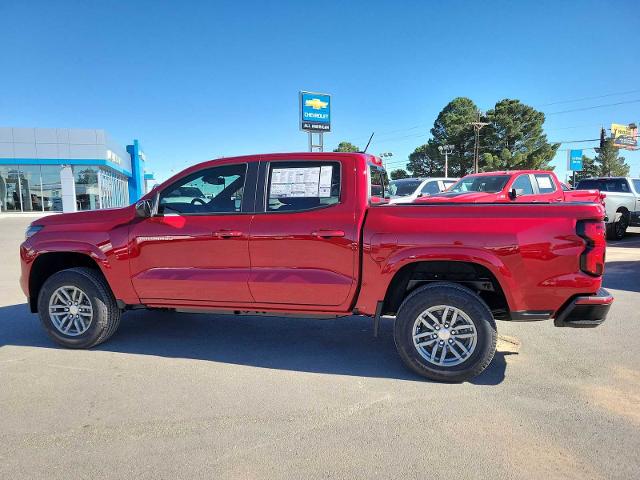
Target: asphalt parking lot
(204,396)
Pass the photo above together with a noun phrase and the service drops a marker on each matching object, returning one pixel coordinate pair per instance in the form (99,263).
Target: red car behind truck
(522,186)
(309,234)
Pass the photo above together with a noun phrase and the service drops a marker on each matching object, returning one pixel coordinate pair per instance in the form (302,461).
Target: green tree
(426,161)
(346,147)
(514,138)
(609,162)
(398,174)
(453,127)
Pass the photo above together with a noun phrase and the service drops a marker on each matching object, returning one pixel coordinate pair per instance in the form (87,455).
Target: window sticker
(544,182)
(300,182)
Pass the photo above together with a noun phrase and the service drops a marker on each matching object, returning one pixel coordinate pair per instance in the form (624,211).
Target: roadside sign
(574,160)
(315,112)
(625,136)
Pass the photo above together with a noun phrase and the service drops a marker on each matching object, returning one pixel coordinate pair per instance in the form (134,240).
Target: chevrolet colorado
(523,186)
(312,234)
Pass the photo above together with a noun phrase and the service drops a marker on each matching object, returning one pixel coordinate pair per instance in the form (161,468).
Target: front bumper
(585,311)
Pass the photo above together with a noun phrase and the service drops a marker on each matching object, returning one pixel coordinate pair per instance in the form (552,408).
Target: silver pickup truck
(622,202)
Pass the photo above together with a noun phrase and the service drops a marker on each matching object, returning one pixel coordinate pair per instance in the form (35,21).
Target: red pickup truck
(522,186)
(310,234)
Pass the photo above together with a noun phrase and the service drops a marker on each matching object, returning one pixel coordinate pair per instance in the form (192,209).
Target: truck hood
(108,216)
(462,197)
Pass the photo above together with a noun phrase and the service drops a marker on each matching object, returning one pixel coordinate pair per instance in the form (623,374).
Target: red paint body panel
(330,260)
(532,250)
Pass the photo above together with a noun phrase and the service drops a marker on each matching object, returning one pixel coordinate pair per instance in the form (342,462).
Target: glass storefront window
(31,188)
(51,188)
(9,188)
(87,192)
(113,189)
(38,188)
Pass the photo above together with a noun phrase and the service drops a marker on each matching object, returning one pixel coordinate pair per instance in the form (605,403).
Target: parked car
(406,190)
(622,202)
(309,239)
(524,186)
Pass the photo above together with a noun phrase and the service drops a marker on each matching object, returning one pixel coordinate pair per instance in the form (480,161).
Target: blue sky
(198,80)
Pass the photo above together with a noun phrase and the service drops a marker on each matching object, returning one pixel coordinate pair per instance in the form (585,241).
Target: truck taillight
(593,233)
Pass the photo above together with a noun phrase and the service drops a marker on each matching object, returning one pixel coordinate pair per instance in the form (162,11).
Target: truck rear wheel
(617,230)
(77,308)
(445,332)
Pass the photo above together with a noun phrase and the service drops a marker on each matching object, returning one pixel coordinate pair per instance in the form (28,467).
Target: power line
(588,98)
(594,107)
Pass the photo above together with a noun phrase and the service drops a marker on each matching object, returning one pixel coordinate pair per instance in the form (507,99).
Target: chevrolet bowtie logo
(316,103)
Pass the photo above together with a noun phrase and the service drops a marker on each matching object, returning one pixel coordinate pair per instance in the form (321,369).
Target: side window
(545,183)
(211,191)
(621,185)
(379,182)
(523,185)
(430,188)
(299,186)
(447,184)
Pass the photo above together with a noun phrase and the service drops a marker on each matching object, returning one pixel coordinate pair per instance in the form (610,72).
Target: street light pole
(446,149)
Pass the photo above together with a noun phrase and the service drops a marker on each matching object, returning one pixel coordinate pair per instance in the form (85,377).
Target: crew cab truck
(622,202)
(522,186)
(310,234)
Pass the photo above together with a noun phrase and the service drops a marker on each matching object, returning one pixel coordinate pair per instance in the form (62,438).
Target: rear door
(547,190)
(303,240)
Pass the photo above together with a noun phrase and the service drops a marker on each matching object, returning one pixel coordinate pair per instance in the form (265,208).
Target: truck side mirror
(513,193)
(143,209)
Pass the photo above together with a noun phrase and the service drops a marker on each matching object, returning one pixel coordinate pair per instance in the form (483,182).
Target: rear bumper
(585,311)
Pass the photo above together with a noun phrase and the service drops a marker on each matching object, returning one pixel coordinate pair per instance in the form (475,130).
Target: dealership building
(67,170)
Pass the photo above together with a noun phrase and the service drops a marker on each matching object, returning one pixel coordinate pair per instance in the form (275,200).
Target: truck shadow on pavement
(343,346)
(622,275)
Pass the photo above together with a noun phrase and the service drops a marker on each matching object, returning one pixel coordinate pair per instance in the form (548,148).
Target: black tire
(469,303)
(106,314)
(617,230)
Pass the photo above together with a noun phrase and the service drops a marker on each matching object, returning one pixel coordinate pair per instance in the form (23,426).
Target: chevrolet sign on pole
(315,112)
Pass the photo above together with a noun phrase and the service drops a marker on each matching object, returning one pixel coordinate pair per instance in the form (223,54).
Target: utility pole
(383,156)
(446,149)
(477,126)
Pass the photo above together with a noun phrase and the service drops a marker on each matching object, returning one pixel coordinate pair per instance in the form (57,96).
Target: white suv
(622,202)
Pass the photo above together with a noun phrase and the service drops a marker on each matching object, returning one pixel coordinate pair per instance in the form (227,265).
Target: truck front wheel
(445,332)
(77,308)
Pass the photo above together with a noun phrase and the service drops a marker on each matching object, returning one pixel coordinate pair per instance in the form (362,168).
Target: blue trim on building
(136,184)
(98,162)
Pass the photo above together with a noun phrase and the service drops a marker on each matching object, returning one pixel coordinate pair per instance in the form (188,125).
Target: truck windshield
(403,188)
(481,183)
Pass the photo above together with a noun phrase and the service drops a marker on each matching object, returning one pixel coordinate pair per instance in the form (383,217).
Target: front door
(303,243)
(196,247)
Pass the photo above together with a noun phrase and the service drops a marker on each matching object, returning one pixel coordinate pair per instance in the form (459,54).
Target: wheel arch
(49,263)
(472,275)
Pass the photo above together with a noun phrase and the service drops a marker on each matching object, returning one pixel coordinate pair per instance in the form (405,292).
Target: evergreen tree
(426,161)
(609,162)
(453,127)
(514,138)
(398,174)
(346,147)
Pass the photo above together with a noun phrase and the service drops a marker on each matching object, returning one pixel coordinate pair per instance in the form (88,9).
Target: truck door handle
(327,233)
(227,233)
